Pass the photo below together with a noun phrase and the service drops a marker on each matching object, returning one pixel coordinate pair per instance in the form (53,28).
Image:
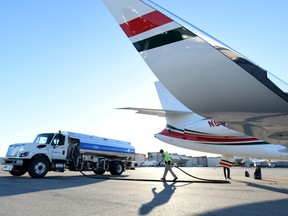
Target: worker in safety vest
(168,165)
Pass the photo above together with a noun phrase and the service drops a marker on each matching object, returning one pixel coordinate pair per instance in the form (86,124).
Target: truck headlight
(24,154)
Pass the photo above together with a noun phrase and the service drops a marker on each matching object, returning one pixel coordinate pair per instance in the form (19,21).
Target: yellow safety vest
(167,157)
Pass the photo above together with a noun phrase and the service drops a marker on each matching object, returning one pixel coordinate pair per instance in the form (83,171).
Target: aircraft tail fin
(168,101)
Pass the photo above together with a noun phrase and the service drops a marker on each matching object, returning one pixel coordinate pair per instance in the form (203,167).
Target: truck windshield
(44,138)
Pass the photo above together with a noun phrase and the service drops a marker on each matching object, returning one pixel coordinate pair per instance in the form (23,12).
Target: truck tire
(38,167)
(116,167)
(18,172)
(99,172)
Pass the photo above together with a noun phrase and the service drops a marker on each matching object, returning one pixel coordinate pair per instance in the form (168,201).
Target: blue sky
(67,65)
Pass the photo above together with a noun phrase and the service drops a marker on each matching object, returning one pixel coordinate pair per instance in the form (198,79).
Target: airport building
(264,163)
(154,158)
(139,159)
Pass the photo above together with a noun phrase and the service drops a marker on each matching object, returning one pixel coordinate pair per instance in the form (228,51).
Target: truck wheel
(19,172)
(99,172)
(116,167)
(38,167)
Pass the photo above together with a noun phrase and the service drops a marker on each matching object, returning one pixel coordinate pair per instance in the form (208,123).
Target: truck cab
(36,157)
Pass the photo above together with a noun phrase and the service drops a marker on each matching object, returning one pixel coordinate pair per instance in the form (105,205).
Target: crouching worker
(257,173)
(168,165)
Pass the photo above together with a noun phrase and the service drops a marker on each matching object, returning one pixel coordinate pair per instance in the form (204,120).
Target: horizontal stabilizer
(157,112)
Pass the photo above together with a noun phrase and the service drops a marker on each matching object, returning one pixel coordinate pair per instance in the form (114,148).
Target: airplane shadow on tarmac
(275,207)
(10,185)
(265,187)
(159,198)
(268,208)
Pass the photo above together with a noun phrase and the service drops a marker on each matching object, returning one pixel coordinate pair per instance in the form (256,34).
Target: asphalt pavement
(140,192)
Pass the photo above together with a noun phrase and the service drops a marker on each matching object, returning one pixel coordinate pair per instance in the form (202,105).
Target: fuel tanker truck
(68,151)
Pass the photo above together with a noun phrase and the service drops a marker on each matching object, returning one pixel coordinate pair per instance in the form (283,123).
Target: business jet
(186,129)
(237,92)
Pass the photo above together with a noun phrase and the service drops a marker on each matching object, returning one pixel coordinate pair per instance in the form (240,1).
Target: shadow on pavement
(10,185)
(159,198)
(265,187)
(263,208)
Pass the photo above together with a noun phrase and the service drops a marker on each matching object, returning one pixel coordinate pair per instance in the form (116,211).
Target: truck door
(58,149)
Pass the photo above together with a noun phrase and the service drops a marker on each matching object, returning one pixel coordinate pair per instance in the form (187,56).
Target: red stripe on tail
(144,23)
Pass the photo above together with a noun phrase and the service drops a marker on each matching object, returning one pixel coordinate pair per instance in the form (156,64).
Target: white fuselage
(267,151)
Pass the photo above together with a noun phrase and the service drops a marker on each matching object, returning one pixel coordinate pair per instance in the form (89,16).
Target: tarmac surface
(71,193)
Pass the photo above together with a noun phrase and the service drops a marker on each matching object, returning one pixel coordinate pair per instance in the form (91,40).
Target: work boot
(163,179)
(175,179)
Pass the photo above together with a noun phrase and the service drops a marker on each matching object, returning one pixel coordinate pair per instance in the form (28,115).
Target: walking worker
(168,165)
